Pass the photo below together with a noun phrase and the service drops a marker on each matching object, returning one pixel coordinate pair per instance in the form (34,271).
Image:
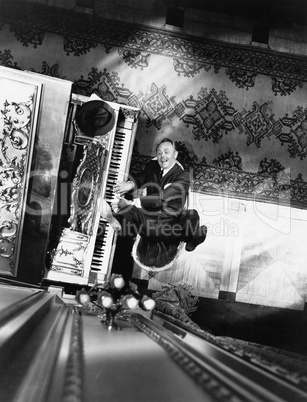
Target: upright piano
(85,249)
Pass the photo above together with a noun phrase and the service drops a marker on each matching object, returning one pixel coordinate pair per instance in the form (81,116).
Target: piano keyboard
(120,149)
(103,247)
(118,161)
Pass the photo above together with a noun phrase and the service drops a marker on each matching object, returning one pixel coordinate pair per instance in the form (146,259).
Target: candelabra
(114,297)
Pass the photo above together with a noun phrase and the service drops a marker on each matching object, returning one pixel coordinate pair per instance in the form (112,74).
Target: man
(161,213)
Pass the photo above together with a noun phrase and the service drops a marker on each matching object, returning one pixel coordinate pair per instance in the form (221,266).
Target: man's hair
(166,139)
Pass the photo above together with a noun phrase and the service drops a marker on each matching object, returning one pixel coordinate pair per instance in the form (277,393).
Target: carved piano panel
(83,252)
(19,102)
(41,167)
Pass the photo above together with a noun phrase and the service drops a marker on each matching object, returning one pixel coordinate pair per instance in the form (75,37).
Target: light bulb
(117,281)
(84,299)
(148,304)
(130,302)
(105,299)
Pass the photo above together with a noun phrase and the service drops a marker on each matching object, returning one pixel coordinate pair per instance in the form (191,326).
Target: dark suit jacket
(165,199)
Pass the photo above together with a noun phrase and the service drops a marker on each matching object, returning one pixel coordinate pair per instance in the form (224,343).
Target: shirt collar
(167,170)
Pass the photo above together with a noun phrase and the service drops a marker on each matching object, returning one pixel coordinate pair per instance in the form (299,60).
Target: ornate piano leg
(106,213)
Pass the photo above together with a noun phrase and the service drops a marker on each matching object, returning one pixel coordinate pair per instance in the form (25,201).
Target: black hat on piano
(95,118)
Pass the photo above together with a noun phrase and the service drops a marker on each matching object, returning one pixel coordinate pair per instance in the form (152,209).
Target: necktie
(161,175)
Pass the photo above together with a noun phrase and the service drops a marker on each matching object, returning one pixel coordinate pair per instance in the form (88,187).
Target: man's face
(166,155)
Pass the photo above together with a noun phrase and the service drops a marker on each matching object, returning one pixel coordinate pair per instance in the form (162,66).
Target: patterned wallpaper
(238,113)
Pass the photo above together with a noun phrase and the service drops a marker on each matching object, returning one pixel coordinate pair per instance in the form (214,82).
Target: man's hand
(123,187)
